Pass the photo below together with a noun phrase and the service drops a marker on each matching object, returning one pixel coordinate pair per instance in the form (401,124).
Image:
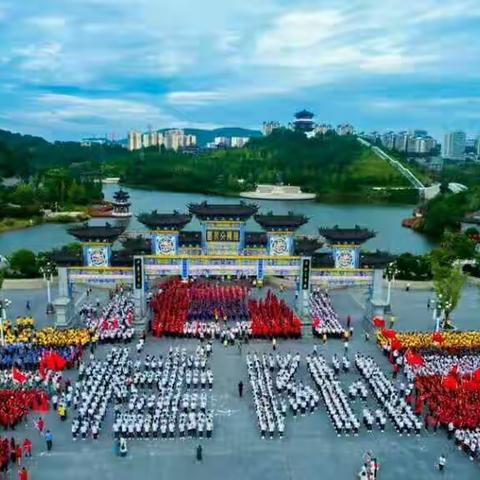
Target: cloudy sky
(74,68)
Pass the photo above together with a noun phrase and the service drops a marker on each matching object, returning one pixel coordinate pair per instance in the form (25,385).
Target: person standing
(274,343)
(349,322)
(23,474)
(27,447)
(199,453)
(240,389)
(49,439)
(442,461)
(18,453)
(40,425)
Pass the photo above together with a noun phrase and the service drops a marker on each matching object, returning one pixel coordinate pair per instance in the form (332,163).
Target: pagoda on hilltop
(303,121)
(121,204)
(97,242)
(345,244)
(165,230)
(280,231)
(223,226)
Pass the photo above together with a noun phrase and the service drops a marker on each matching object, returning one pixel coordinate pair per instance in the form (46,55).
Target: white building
(269,127)
(222,141)
(239,142)
(345,129)
(134,140)
(454,145)
(322,129)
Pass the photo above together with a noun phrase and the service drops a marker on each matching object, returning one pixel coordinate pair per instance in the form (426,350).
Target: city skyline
(104,67)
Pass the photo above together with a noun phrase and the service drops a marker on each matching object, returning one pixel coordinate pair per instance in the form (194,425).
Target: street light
(390,273)
(4,304)
(47,272)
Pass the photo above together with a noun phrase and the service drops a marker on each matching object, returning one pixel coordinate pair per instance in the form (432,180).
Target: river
(385,220)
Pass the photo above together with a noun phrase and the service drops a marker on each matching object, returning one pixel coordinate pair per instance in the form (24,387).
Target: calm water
(385,220)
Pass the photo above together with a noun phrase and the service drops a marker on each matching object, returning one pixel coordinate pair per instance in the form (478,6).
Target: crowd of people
(16,405)
(28,356)
(272,317)
(451,399)
(389,398)
(11,454)
(210,310)
(325,320)
(451,342)
(176,402)
(114,323)
(334,398)
(441,364)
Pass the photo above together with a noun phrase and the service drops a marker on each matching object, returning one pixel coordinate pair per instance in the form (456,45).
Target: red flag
(438,337)
(414,359)
(388,333)
(450,383)
(476,375)
(18,376)
(397,344)
(379,322)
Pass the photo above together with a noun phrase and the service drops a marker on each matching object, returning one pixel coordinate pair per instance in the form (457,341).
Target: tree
(460,246)
(448,283)
(24,261)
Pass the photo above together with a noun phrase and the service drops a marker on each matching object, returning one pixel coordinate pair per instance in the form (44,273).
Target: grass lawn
(7,224)
(373,171)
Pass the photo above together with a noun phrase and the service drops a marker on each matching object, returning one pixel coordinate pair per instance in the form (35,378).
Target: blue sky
(74,68)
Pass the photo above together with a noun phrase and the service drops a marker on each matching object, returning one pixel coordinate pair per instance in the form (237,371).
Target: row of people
(193,424)
(439,364)
(269,408)
(324,318)
(396,407)
(336,402)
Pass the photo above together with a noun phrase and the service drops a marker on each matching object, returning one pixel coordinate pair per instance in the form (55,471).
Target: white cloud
(194,98)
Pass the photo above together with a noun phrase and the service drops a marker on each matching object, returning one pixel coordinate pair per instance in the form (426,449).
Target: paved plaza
(310,448)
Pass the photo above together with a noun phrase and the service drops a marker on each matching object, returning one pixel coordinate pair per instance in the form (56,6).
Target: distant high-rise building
(454,145)
(134,140)
(401,142)
(478,145)
(269,127)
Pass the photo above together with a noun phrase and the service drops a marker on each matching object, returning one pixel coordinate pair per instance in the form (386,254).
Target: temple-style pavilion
(121,204)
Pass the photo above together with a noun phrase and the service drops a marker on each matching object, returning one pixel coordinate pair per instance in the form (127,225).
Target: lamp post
(390,272)
(4,304)
(47,271)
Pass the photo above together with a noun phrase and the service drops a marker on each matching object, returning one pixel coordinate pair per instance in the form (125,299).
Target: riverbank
(407,198)
(12,224)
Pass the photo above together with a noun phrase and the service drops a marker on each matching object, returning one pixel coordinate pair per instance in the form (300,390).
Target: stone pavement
(310,448)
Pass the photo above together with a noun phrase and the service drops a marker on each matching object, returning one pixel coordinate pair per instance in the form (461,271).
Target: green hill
(334,167)
(24,155)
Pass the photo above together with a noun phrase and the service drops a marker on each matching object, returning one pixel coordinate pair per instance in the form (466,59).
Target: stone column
(63,282)
(63,312)
(139,293)
(378,302)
